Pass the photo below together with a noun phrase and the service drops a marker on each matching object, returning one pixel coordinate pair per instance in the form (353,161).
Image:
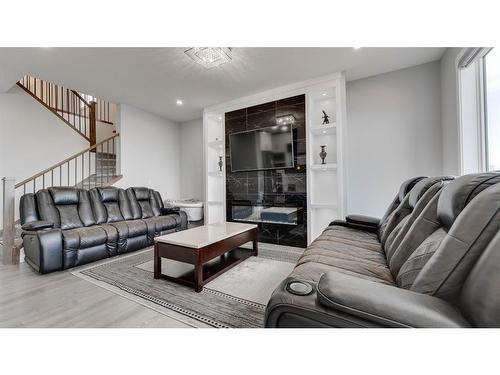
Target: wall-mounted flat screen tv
(266,148)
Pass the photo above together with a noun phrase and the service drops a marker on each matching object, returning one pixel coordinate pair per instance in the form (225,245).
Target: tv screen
(266,148)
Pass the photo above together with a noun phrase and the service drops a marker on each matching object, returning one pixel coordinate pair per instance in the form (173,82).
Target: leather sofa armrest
(367,228)
(184,220)
(44,249)
(363,220)
(385,304)
(37,225)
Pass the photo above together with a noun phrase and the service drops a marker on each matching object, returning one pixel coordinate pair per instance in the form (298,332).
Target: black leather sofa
(65,227)
(433,260)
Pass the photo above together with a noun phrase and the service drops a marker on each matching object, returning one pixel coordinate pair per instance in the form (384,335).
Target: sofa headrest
(108,194)
(64,195)
(141,193)
(422,186)
(457,194)
(407,186)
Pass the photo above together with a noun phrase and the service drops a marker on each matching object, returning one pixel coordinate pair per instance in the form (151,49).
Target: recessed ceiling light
(178,102)
(324,94)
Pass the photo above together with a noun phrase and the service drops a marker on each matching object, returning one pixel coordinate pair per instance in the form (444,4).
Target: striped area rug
(235,299)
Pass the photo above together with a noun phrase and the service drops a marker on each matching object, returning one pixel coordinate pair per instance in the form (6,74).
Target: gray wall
(191,159)
(150,151)
(393,133)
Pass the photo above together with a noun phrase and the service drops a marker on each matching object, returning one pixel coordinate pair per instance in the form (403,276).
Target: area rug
(235,299)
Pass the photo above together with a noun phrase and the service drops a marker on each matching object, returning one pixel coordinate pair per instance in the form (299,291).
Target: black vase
(220,163)
(322,154)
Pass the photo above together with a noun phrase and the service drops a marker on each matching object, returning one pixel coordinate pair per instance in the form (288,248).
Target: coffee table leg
(198,277)
(256,243)
(157,263)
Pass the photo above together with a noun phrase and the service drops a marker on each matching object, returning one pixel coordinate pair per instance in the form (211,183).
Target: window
(491,75)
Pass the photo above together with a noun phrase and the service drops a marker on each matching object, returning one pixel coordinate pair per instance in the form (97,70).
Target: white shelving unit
(325,192)
(326,198)
(215,180)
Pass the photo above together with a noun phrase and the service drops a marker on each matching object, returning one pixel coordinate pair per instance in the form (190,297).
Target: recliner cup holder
(299,288)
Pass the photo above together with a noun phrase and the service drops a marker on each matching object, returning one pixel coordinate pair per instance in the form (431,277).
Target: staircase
(77,110)
(105,173)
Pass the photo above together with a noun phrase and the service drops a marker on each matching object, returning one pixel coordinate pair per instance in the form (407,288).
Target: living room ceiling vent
(210,57)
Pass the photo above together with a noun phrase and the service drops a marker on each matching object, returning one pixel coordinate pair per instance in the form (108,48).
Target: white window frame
(472,110)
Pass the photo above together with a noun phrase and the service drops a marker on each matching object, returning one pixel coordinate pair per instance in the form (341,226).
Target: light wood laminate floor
(61,299)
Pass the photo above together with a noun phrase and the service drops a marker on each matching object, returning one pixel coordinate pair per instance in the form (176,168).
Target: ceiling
(154,78)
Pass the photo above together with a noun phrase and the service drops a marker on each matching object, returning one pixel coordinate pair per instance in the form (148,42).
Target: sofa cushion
(416,261)
(87,244)
(347,250)
(64,195)
(143,202)
(84,237)
(456,196)
(130,228)
(398,234)
(350,235)
(444,273)
(162,223)
(312,271)
(71,206)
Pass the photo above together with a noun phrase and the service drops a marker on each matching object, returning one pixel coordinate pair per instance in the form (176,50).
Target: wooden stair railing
(79,111)
(77,168)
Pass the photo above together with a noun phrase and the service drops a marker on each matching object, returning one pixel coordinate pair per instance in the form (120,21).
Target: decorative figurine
(325,118)
(322,154)
(220,163)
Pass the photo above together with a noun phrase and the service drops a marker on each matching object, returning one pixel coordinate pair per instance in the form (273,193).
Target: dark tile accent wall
(279,187)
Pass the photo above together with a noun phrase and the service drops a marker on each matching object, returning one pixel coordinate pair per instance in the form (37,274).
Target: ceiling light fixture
(178,102)
(356,47)
(285,120)
(210,57)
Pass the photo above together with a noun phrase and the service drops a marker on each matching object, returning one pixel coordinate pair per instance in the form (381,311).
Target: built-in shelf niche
(325,198)
(213,134)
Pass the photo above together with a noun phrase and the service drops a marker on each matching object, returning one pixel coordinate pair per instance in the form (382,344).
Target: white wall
(192,159)
(449,112)
(393,133)
(104,131)
(150,151)
(30,137)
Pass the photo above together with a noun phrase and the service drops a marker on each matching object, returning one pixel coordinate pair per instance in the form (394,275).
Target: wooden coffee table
(212,249)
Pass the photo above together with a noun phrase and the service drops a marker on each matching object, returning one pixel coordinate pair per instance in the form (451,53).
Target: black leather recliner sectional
(65,227)
(433,260)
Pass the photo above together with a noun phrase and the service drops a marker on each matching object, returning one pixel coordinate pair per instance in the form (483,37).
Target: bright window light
(492,102)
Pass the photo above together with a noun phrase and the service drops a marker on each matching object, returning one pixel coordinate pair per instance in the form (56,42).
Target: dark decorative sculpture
(220,163)
(322,154)
(325,118)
